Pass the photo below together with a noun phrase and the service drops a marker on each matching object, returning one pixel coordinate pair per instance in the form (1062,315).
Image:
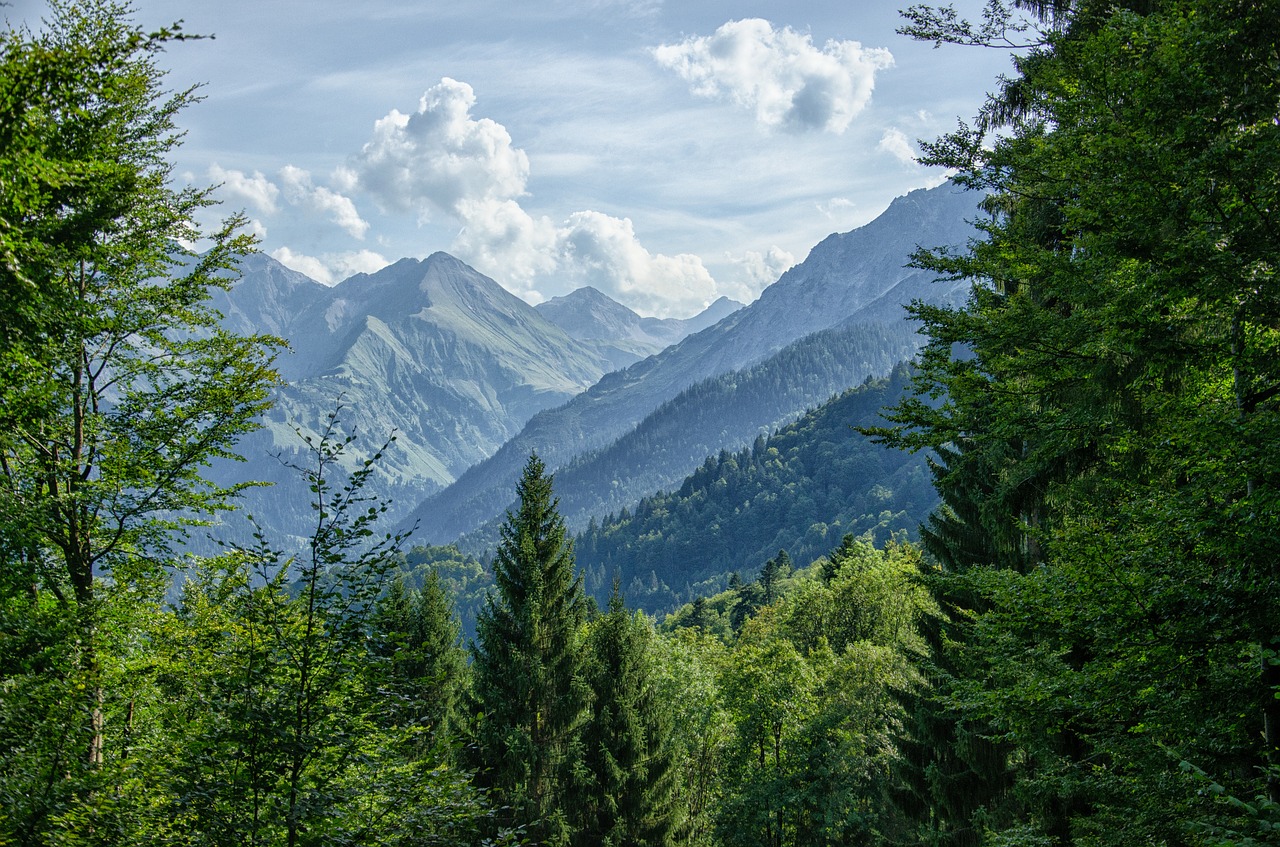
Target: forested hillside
(725,412)
(801,489)
(1081,650)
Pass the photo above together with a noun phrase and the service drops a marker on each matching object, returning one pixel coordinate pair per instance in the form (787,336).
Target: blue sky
(665,152)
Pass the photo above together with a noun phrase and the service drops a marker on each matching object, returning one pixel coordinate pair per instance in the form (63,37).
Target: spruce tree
(528,684)
(628,798)
(419,638)
(775,570)
(1113,420)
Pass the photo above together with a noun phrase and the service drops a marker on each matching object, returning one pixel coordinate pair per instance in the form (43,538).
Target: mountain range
(619,334)
(471,379)
(857,281)
(430,351)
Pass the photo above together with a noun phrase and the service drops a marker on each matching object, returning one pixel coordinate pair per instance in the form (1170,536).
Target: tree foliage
(250,712)
(1107,444)
(529,690)
(629,773)
(118,386)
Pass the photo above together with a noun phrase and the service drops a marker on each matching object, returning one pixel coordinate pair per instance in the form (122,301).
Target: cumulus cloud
(779,73)
(302,263)
(355,262)
(757,271)
(895,143)
(604,252)
(502,239)
(331,268)
(440,158)
(299,190)
(255,190)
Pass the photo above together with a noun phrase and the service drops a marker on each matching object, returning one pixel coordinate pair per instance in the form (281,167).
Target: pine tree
(528,684)
(630,780)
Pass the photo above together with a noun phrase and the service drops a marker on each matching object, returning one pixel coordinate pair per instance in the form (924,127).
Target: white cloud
(603,251)
(758,271)
(256,190)
(836,206)
(502,239)
(300,191)
(790,83)
(302,263)
(344,180)
(348,264)
(440,158)
(331,268)
(895,143)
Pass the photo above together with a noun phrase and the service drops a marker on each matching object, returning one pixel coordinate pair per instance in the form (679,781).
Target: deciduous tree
(117,385)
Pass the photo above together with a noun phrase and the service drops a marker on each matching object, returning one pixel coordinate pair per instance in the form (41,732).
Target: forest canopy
(1083,649)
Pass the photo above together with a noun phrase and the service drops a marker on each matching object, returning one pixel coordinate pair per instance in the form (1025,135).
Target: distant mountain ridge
(430,350)
(618,333)
(859,277)
(725,412)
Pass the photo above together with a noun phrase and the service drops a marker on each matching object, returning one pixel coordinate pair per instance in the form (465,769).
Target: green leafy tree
(527,668)
(289,633)
(117,388)
(286,731)
(768,687)
(687,677)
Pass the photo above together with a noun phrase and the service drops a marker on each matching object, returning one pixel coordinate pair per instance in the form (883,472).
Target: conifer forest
(1076,640)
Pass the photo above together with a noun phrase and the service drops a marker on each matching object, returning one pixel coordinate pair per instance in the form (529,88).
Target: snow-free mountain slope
(618,333)
(267,299)
(431,350)
(726,412)
(843,276)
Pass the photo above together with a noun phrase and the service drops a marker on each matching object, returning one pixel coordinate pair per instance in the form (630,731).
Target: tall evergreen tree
(419,638)
(628,799)
(774,571)
(528,683)
(1113,425)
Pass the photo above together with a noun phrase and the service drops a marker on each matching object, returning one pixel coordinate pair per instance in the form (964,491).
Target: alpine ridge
(858,279)
(429,350)
(618,333)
